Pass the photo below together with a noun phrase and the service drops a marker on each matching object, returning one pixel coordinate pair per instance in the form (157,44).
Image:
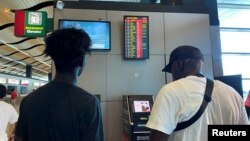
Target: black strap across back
(206,100)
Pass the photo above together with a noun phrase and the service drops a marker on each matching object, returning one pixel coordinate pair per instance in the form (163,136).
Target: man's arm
(13,137)
(158,136)
(11,134)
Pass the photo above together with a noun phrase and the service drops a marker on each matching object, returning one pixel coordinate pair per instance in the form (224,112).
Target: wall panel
(108,74)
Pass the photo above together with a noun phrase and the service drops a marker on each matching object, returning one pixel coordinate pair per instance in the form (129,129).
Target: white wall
(107,74)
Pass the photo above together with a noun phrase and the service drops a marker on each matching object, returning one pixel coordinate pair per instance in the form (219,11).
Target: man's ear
(179,66)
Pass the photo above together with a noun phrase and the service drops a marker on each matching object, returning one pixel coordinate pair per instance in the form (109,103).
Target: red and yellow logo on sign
(30,23)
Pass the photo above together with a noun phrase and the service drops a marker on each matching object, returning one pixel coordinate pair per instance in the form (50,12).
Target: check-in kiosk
(136,111)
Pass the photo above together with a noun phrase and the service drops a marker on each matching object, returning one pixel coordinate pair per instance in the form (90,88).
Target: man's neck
(68,78)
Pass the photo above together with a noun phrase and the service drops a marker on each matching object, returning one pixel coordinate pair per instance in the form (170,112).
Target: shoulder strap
(206,100)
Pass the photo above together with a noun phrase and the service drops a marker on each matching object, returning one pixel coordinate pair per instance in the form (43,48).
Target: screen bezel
(124,47)
(99,21)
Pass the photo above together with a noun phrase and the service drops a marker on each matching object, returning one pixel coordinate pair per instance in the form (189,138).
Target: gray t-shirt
(60,112)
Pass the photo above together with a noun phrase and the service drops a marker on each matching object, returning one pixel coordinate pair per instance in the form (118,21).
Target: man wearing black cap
(185,60)
(179,100)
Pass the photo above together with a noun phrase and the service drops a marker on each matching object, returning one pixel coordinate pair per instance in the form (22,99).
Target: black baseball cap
(183,52)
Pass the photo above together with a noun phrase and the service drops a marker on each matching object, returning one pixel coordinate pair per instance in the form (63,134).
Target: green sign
(35,23)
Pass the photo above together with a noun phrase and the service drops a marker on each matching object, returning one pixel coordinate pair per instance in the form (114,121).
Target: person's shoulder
(42,89)
(82,92)
(222,85)
(225,87)
(32,95)
(27,98)
(88,101)
(5,104)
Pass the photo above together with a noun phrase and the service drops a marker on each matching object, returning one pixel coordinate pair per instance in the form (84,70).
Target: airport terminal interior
(220,28)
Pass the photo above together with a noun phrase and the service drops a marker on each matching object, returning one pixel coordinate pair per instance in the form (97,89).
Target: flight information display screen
(136,37)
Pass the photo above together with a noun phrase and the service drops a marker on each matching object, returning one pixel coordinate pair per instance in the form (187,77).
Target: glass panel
(246,88)
(232,17)
(234,1)
(236,64)
(234,41)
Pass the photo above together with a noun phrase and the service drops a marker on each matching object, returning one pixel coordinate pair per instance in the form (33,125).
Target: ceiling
(18,52)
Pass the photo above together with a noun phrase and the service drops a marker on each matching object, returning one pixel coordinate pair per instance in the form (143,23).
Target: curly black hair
(67,47)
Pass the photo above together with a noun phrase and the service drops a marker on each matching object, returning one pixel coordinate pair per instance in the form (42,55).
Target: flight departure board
(136,37)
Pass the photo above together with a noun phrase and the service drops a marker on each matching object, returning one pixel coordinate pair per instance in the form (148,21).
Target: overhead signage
(13,81)
(30,23)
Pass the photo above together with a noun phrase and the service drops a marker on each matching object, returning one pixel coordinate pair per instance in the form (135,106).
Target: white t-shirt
(179,100)
(7,115)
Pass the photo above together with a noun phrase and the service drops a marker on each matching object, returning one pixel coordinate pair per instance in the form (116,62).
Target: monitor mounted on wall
(136,37)
(99,32)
